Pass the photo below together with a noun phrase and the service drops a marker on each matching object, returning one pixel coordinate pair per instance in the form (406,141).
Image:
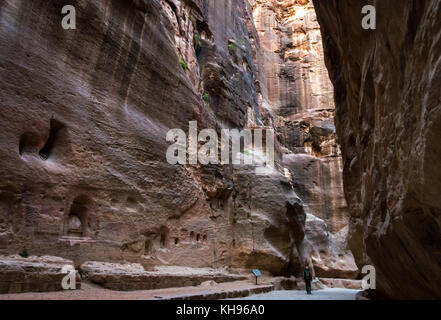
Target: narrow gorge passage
(178,148)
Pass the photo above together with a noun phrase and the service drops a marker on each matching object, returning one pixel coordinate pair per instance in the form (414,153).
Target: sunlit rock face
(84,116)
(289,34)
(297,86)
(388,118)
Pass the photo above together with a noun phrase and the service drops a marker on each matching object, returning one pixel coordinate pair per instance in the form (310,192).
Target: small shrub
(230,47)
(234,220)
(206,97)
(24,253)
(198,42)
(183,63)
(192,19)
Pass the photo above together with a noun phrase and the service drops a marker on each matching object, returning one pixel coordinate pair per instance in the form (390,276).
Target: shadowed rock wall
(388,113)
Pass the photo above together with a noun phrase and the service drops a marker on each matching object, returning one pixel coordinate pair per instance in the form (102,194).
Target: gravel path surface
(326,294)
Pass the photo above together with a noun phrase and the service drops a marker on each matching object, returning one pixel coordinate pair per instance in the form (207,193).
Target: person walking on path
(307,276)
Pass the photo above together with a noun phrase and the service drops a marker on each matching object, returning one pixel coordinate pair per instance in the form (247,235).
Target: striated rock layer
(85,114)
(388,119)
(84,120)
(295,83)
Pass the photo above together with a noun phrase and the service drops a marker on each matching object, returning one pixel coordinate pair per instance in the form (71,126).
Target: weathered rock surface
(293,63)
(268,223)
(388,119)
(85,114)
(296,84)
(33,274)
(130,277)
(328,251)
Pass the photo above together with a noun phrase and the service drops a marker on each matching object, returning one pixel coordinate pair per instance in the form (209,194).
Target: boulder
(34,274)
(131,277)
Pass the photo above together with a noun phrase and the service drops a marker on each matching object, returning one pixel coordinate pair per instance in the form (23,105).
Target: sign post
(257,274)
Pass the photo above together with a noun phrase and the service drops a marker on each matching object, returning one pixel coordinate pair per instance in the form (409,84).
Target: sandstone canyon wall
(298,89)
(85,115)
(388,118)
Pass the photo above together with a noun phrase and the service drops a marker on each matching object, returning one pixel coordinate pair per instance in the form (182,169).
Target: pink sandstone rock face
(85,115)
(388,117)
(297,86)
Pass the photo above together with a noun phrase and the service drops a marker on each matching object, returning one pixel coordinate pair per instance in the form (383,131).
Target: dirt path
(94,292)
